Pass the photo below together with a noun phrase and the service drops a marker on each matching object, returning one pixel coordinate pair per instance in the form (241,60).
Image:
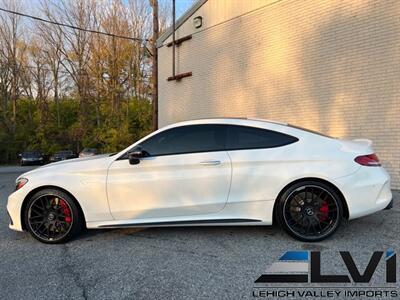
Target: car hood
(75,165)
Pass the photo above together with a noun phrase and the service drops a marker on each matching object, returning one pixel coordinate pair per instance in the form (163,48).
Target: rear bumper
(366,191)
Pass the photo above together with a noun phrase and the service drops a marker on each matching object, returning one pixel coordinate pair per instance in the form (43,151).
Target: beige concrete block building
(331,66)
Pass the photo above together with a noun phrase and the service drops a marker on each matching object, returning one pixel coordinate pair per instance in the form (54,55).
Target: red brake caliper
(324,210)
(66,211)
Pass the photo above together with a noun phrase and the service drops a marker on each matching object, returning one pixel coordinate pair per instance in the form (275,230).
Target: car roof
(232,121)
(277,126)
(235,119)
(252,122)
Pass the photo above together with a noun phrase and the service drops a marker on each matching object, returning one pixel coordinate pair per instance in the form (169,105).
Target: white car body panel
(84,179)
(367,191)
(169,186)
(177,188)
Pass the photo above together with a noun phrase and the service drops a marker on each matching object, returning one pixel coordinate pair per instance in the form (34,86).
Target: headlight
(20,183)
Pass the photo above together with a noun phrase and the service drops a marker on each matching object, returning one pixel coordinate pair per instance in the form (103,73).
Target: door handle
(210,162)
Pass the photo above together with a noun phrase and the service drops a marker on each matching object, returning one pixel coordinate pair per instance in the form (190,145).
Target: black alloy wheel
(52,216)
(310,211)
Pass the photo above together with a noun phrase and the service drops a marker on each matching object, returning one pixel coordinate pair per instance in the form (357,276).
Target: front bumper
(11,221)
(390,205)
(34,161)
(366,191)
(14,206)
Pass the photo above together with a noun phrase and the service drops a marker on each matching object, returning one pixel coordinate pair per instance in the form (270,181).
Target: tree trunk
(56,98)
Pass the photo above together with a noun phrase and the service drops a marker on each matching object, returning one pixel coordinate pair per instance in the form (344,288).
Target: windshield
(31,154)
(63,153)
(89,150)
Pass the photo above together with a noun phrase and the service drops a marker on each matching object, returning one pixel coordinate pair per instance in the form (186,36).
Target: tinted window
(242,137)
(186,139)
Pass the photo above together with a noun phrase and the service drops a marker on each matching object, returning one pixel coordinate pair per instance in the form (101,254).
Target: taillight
(370,160)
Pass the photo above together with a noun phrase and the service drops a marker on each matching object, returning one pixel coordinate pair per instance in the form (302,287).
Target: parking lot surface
(171,263)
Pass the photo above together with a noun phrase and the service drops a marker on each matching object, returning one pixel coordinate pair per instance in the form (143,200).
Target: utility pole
(154,77)
(173,38)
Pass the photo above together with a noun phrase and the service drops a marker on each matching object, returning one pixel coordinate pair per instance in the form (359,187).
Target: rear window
(243,137)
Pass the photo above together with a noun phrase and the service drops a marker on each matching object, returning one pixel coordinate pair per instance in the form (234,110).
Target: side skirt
(180,223)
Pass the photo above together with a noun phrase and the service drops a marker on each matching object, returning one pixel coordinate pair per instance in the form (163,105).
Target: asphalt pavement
(174,263)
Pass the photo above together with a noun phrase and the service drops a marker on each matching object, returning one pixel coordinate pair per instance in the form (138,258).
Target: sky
(31,7)
(181,5)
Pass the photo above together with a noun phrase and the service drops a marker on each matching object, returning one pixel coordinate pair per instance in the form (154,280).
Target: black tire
(309,211)
(52,216)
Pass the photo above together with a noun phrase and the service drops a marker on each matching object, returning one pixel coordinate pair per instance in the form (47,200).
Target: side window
(243,137)
(186,139)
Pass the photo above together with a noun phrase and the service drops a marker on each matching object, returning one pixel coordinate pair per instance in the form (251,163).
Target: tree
(10,35)
(63,87)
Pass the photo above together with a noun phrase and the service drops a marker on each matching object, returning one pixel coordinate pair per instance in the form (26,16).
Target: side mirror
(135,155)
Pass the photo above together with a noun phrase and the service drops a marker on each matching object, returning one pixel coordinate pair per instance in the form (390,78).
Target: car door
(186,172)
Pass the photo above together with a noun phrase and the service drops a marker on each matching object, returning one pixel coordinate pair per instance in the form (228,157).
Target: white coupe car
(207,172)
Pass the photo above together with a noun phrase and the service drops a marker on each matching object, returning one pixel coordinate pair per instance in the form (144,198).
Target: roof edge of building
(180,21)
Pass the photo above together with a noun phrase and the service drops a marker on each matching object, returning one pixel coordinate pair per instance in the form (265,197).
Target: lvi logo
(305,267)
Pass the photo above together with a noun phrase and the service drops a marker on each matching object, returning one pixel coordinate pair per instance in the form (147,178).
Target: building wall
(331,66)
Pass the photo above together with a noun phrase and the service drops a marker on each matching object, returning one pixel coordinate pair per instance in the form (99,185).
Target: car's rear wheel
(51,216)
(309,211)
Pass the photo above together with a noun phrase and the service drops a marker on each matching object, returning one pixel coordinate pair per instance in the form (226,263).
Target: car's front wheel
(309,211)
(52,216)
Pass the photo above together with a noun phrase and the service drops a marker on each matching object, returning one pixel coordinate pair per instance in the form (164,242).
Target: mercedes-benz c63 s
(207,172)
